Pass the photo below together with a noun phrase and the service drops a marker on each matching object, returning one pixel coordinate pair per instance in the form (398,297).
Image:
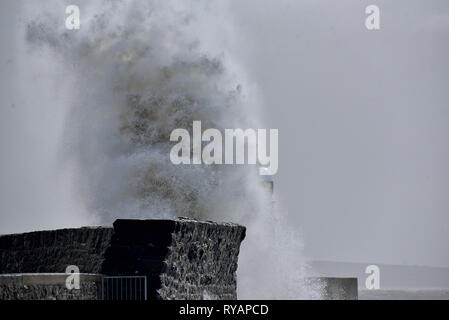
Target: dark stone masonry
(181,258)
(48,286)
(52,251)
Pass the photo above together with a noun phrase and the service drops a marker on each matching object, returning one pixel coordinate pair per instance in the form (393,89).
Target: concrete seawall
(181,258)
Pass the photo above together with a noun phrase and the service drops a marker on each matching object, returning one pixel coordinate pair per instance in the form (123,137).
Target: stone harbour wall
(52,251)
(206,267)
(48,287)
(181,258)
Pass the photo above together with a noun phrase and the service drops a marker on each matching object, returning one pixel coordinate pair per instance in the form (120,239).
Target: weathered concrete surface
(182,258)
(48,287)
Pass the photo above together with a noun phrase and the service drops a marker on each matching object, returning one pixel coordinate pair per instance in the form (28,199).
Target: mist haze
(363,122)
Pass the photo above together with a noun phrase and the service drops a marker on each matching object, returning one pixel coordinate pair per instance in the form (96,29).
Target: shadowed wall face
(48,286)
(52,251)
(182,258)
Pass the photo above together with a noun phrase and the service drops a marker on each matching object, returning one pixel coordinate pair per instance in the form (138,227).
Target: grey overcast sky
(363,118)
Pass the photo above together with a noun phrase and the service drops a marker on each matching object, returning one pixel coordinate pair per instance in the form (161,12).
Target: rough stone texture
(48,287)
(206,267)
(182,258)
(53,251)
